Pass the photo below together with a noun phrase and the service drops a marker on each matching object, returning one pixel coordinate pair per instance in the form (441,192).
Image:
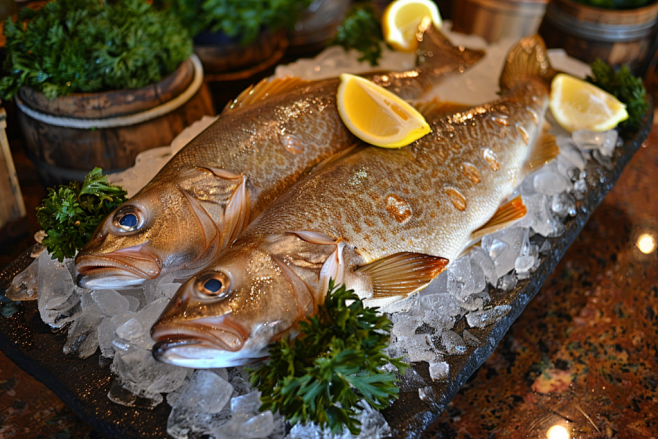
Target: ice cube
(130,330)
(507,282)
(550,182)
(453,343)
(110,302)
(563,205)
(524,265)
(82,337)
(57,302)
(504,255)
(604,142)
(140,373)
(405,324)
(461,282)
(569,151)
(259,426)
(496,248)
(539,216)
(25,285)
(480,257)
(480,319)
(122,396)
(246,406)
(439,371)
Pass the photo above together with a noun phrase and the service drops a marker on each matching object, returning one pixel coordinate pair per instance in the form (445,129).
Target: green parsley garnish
(70,214)
(335,362)
(625,87)
(74,46)
(361,30)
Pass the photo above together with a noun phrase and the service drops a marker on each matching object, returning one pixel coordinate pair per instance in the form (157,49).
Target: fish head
(227,314)
(171,225)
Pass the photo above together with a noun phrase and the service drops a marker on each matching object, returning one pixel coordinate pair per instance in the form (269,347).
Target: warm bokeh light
(557,432)
(646,243)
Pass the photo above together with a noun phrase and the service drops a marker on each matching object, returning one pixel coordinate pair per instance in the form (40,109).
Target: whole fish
(383,222)
(265,141)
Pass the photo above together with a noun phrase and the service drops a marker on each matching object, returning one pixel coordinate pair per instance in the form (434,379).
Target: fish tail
(527,59)
(436,53)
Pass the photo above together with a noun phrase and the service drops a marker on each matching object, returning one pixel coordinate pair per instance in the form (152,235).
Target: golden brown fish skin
(248,157)
(421,202)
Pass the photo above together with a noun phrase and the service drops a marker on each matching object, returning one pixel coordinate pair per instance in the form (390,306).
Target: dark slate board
(83,385)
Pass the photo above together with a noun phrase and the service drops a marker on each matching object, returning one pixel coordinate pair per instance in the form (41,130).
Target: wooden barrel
(221,54)
(616,36)
(498,19)
(70,135)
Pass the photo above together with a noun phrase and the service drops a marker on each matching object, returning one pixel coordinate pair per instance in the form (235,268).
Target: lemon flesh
(401,19)
(579,105)
(377,116)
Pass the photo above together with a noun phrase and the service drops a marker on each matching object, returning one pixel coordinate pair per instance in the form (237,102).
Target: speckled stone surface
(584,353)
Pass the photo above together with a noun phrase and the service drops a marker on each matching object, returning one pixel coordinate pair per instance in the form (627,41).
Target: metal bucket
(498,19)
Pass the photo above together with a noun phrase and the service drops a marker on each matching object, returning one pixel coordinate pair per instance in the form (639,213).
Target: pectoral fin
(505,216)
(543,151)
(403,273)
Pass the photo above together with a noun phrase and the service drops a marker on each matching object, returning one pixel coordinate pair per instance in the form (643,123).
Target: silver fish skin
(271,136)
(383,222)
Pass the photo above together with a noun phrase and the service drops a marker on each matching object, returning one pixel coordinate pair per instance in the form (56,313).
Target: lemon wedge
(579,105)
(377,116)
(401,19)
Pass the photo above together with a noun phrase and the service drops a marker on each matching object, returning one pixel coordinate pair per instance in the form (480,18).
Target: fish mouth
(119,269)
(202,343)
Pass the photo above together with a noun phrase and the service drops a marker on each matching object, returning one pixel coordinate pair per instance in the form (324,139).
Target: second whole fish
(203,198)
(383,222)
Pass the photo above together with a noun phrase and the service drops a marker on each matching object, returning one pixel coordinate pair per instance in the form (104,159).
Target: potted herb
(96,83)
(236,34)
(616,31)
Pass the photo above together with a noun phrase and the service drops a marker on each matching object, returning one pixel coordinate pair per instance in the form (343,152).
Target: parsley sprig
(361,30)
(625,87)
(70,213)
(74,46)
(335,362)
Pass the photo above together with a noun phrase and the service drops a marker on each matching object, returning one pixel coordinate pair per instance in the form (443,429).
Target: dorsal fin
(505,216)
(263,90)
(527,59)
(403,273)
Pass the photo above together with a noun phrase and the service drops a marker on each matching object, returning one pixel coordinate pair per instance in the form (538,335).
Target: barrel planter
(70,135)
(221,54)
(616,36)
(498,19)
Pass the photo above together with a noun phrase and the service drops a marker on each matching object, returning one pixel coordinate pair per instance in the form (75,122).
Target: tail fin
(528,58)
(438,56)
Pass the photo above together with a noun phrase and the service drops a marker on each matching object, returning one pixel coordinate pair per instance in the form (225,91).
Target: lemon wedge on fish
(401,19)
(377,116)
(579,105)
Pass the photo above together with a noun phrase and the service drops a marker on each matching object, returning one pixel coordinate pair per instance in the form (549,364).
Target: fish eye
(214,284)
(128,219)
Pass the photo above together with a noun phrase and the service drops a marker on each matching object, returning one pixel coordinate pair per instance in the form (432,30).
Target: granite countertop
(583,355)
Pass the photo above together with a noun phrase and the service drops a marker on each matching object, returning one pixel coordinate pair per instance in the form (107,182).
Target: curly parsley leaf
(625,87)
(82,46)
(70,213)
(336,361)
(361,30)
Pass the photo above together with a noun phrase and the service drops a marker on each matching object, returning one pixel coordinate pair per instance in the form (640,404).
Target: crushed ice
(221,403)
